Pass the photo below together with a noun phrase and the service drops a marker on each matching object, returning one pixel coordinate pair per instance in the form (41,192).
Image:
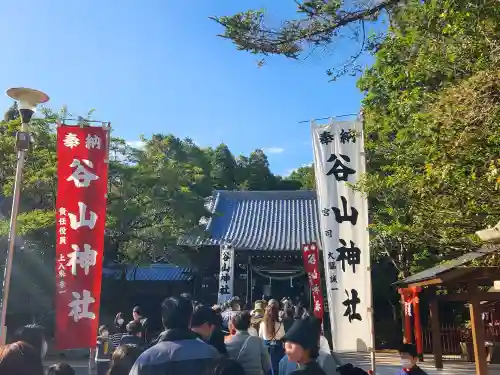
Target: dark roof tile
(261,220)
(154,272)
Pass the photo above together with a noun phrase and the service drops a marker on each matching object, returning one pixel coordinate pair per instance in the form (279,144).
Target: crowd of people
(272,339)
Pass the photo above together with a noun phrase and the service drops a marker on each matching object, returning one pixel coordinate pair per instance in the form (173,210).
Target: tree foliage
(156,192)
(431,102)
(430,109)
(304,177)
(318,23)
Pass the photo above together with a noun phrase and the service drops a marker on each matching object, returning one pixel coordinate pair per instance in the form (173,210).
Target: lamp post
(28,99)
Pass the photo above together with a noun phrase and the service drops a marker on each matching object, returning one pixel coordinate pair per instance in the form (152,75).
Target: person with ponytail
(271,330)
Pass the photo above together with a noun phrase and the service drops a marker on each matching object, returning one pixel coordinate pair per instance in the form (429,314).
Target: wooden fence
(452,336)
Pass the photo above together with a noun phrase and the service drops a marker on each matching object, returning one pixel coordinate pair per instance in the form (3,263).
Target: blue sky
(157,66)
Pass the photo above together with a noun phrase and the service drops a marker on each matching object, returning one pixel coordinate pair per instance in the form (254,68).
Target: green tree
(429,145)
(304,176)
(12,113)
(432,153)
(224,168)
(258,176)
(156,199)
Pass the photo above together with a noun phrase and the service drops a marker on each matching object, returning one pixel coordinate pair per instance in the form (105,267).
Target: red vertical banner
(310,254)
(82,173)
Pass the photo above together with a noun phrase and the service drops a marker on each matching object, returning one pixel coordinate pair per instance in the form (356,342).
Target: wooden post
(417,323)
(478,337)
(437,347)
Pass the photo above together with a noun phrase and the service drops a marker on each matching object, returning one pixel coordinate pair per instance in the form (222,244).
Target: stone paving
(387,364)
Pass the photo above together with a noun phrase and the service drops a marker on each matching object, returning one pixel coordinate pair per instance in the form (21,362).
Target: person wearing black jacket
(204,324)
(137,315)
(302,347)
(134,335)
(178,350)
(409,360)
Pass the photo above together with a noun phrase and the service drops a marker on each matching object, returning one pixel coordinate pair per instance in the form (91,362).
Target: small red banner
(82,173)
(311,265)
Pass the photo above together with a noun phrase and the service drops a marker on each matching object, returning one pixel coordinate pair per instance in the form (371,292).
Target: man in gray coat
(249,351)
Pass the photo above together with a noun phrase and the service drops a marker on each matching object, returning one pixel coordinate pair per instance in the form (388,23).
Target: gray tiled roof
(261,220)
(153,272)
(449,265)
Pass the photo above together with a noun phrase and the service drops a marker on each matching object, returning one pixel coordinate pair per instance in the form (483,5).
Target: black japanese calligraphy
(333,279)
(225,268)
(326,211)
(328,233)
(226,256)
(351,304)
(346,136)
(351,255)
(224,289)
(326,138)
(339,169)
(332,261)
(341,217)
(225,277)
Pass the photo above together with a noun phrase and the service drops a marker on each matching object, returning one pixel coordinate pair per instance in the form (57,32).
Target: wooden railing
(452,336)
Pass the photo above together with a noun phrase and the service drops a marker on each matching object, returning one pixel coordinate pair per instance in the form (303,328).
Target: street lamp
(27,99)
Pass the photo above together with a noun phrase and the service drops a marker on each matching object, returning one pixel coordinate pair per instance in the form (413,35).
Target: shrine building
(267,230)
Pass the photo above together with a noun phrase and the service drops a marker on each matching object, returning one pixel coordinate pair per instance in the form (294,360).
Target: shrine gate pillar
(417,322)
(406,298)
(411,305)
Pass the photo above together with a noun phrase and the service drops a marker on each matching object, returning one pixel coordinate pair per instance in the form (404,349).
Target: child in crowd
(103,350)
(409,359)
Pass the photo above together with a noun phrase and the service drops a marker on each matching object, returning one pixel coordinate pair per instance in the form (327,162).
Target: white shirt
(279,328)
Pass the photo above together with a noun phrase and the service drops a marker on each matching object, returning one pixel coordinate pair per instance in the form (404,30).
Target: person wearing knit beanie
(301,346)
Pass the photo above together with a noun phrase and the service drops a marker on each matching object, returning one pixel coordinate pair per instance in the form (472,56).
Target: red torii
(409,299)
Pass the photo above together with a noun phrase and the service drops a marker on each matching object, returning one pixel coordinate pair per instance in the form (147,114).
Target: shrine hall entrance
(276,287)
(278,276)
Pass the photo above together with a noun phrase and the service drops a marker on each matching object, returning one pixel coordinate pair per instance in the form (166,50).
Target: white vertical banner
(226,274)
(339,161)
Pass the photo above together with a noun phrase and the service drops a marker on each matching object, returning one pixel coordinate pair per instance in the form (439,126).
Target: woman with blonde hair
(271,330)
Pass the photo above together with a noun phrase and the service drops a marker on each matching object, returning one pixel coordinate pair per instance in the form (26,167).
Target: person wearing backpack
(249,351)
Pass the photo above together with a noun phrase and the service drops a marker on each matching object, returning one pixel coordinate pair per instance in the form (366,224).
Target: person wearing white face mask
(34,335)
(409,359)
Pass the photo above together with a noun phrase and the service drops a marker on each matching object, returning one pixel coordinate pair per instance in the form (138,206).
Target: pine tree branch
(248,33)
